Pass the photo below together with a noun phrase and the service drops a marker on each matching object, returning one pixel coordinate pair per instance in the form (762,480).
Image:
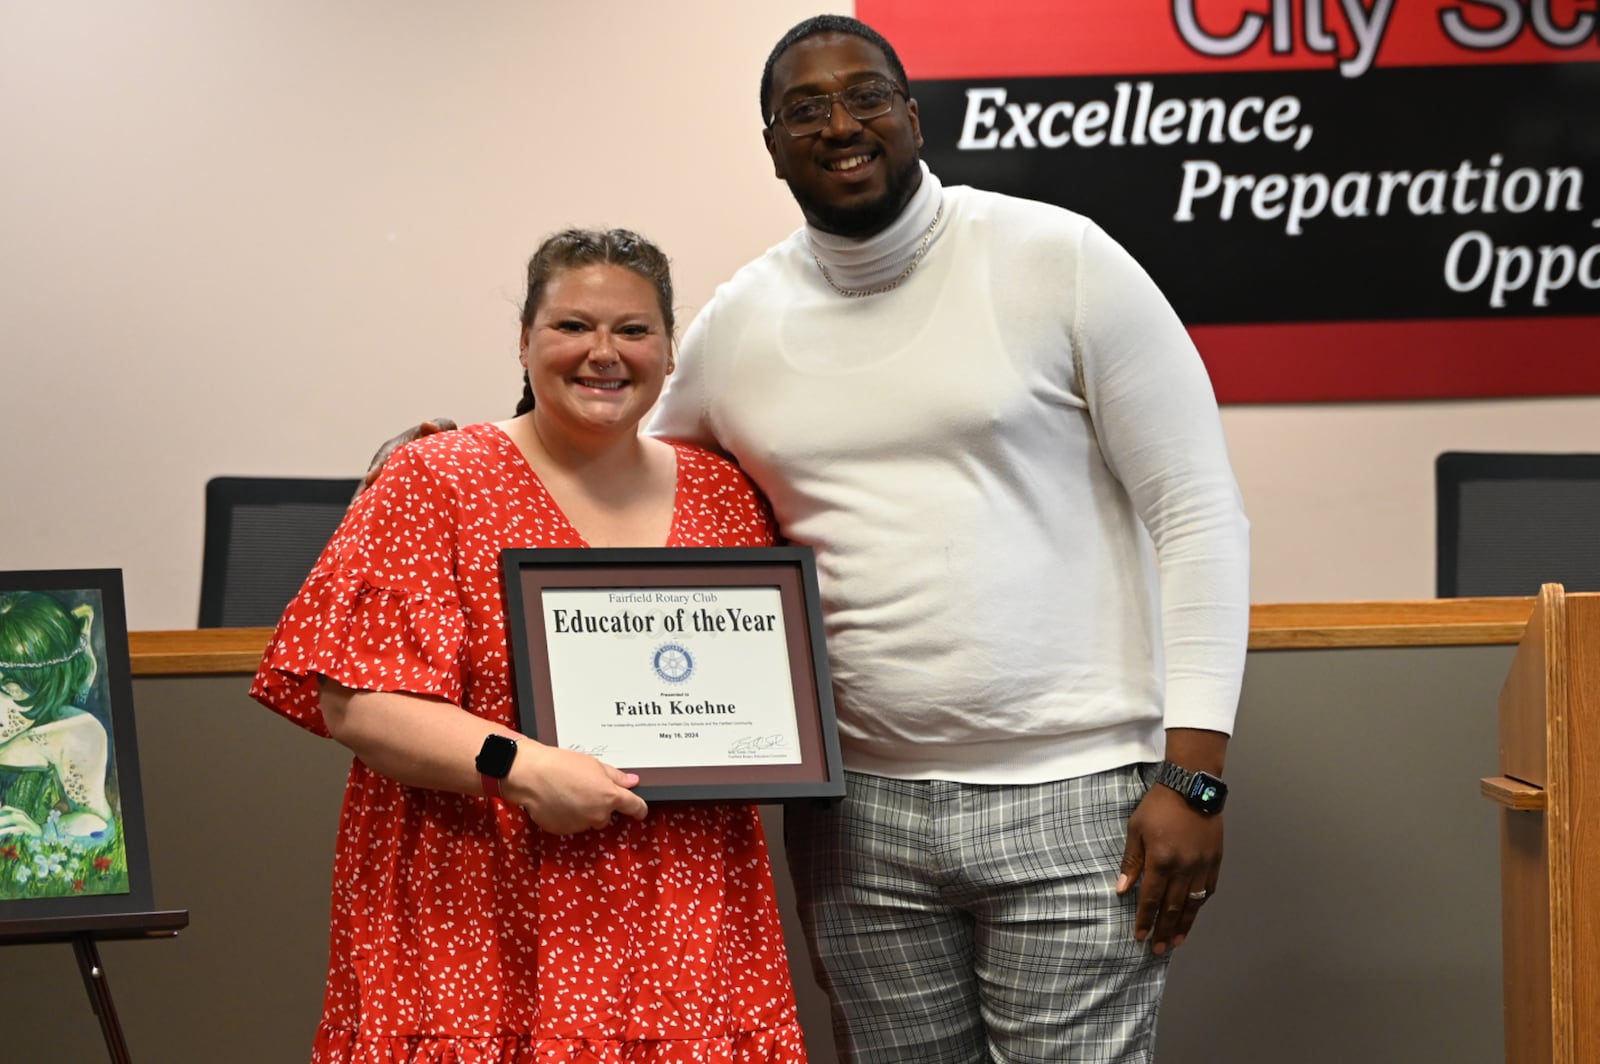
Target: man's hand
(1174,853)
(427,428)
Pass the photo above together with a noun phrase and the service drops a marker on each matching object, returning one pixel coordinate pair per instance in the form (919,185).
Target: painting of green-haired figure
(60,835)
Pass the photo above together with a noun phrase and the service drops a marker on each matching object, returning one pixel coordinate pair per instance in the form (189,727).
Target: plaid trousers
(956,923)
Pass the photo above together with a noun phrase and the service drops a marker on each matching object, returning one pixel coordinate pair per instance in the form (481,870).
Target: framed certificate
(702,669)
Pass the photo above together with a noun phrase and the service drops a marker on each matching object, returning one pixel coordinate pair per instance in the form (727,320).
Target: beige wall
(258,238)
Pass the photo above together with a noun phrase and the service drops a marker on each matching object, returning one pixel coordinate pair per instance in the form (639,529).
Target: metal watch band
(1204,792)
(1175,776)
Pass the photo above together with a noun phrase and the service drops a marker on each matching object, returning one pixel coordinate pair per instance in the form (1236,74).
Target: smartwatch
(494,762)
(1201,790)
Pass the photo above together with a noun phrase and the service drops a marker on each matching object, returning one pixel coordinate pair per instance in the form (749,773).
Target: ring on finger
(1198,895)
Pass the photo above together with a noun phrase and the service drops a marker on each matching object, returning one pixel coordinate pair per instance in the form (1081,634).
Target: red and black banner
(1344,199)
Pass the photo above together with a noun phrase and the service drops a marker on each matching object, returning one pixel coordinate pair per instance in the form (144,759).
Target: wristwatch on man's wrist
(1201,790)
(494,762)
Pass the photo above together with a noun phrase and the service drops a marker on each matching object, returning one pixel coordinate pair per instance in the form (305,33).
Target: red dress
(461,933)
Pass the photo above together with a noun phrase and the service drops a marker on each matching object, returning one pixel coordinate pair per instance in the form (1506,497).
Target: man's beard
(861,220)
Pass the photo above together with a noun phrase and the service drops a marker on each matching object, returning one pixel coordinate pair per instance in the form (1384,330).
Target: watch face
(1207,793)
(496,756)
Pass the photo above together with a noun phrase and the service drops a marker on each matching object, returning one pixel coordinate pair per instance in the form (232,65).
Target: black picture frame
(819,774)
(60,879)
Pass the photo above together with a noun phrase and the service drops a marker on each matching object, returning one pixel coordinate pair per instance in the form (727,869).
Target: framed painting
(72,833)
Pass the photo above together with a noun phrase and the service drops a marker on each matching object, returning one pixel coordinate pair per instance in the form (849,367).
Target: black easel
(84,932)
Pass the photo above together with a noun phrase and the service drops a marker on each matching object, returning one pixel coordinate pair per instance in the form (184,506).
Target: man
(1003,447)
(998,438)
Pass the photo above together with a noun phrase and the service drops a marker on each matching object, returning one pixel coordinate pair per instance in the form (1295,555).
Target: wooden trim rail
(197,652)
(1286,626)
(1419,623)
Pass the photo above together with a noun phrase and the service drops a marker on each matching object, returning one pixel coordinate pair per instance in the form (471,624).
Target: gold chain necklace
(922,250)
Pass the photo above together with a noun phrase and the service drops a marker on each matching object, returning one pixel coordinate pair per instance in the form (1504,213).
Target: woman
(539,924)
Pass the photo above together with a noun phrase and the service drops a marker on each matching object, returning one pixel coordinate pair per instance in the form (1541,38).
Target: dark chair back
(263,534)
(1509,522)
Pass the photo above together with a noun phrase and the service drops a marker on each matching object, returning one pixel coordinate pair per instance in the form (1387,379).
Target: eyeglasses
(863,100)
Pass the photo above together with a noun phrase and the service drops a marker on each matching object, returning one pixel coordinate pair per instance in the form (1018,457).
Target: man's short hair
(819,24)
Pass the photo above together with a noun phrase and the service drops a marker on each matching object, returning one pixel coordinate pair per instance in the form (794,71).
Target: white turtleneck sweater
(1031,548)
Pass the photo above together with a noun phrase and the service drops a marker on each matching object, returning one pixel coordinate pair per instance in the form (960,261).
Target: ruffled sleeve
(381,610)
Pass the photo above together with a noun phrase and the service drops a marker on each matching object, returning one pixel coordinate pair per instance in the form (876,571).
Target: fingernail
(1122,883)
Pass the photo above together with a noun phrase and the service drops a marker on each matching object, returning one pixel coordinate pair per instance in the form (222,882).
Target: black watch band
(494,762)
(1201,790)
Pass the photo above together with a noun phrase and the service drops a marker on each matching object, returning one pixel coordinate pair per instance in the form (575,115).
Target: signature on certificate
(598,750)
(756,744)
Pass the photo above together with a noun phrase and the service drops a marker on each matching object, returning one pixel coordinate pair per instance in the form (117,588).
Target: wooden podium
(1549,787)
